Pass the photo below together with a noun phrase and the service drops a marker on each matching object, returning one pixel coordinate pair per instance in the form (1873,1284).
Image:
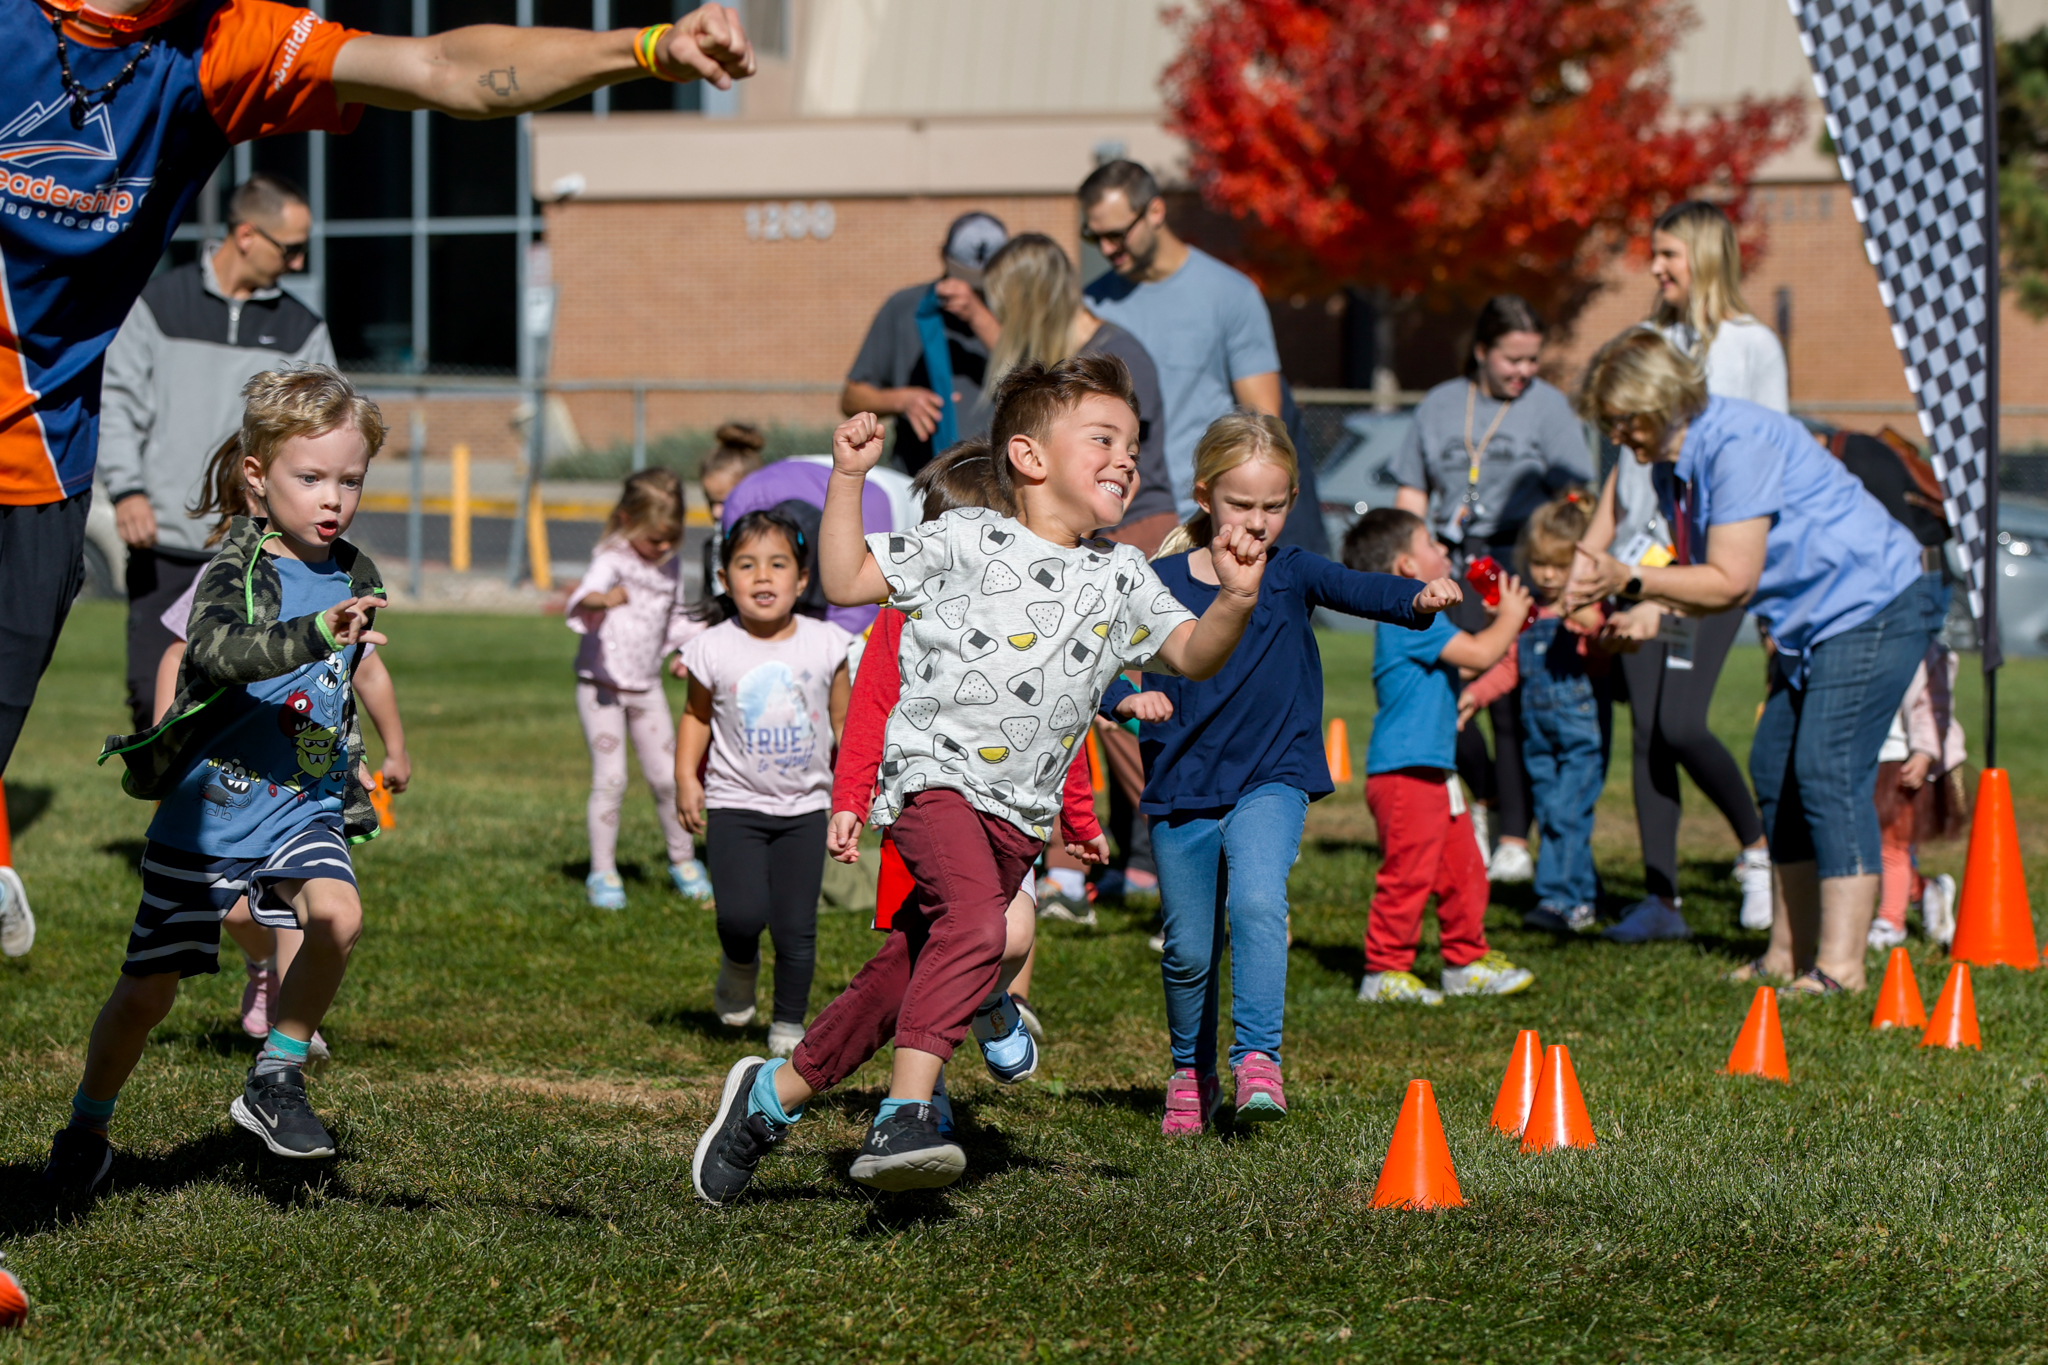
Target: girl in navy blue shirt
(1232,772)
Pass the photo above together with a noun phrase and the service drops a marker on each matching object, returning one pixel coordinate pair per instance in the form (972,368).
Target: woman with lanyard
(1764,517)
(1484,452)
(1671,675)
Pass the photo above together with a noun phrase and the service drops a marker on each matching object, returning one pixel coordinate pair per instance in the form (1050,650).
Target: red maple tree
(1446,150)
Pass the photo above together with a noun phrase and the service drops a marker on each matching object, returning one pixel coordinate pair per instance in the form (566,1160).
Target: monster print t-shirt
(277,765)
(1009,643)
(771,720)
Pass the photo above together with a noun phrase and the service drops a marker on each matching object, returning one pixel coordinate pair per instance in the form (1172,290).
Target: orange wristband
(645,44)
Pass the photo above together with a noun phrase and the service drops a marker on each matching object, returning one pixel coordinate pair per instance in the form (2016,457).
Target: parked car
(2022,569)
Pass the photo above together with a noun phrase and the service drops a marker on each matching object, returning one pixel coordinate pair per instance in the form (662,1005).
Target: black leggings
(1670,712)
(1499,781)
(766,871)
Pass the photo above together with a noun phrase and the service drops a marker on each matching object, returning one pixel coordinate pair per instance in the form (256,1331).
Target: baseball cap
(972,240)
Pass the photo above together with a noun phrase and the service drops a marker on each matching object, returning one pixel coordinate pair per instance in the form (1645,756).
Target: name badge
(1678,634)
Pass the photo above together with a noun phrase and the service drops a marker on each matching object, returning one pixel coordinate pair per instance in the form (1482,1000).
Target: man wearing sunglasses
(1203,323)
(173,392)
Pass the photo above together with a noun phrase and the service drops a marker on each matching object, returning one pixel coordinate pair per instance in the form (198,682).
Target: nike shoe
(905,1151)
(1753,875)
(17,921)
(1396,988)
(1006,1045)
(733,996)
(1260,1098)
(734,1144)
(258,990)
(274,1108)
(1511,863)
(1650,920)
(690,881)
(79,1160)
(1191,1103)
(605,890)
(1490,975)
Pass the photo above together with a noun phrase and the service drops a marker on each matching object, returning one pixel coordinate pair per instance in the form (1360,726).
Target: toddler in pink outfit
(630,613)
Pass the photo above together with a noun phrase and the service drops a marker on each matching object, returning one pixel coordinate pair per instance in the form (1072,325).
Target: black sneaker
(274,1108)
(905,1152)
(79,1160)
(736,1140)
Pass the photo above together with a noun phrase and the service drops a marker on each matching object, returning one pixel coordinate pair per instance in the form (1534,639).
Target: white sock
(1069,880)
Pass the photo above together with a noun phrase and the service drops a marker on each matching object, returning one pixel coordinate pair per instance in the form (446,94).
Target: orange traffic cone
(380,800)
(1557,1116)
(1338,749)
(1954,1023)
(1898,999)
(1993,924)
(13,1302)
(1760,1046)
(1518,1087)
(1418,1172)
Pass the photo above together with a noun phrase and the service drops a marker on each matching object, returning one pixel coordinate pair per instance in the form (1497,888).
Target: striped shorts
(185,896)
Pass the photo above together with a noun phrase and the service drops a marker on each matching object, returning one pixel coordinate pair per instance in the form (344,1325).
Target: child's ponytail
(224,493)
(1236,438)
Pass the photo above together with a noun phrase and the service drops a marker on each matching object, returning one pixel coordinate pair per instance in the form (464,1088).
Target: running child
(1231,774)
(1561,664)
(255,768)
(267,953)
(1411,782)
(768,695)
(1920,795)
(630,613)
(1015,627)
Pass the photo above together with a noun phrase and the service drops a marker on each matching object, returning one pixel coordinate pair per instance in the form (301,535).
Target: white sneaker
(783,1038)
(1938,909)
(1490,975)
(733,996)
(1396,988)
(1511,863)
(1753,875)
(1482,832)
(1885,936)
(17,923)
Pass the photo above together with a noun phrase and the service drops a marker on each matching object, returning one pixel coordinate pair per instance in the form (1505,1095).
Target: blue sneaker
(1650,920)
(1006,1044)
(605,890)
(690,880)
(943,1105)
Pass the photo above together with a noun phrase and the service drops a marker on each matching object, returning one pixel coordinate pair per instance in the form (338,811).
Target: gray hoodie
(173,387)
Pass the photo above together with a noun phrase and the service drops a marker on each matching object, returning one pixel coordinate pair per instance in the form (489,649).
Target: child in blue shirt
(1411,785)
(1231,773)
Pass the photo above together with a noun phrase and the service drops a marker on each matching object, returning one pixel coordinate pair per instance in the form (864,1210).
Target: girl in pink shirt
(630,614)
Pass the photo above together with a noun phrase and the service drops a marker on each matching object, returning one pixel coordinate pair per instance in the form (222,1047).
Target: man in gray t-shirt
(1204,324)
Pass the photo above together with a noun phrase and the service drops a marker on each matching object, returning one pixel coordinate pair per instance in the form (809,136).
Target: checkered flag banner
(1902,83)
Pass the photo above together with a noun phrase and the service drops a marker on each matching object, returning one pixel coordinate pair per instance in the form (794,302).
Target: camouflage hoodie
(236,639)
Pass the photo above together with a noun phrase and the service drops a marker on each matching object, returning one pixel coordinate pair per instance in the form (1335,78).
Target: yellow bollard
(458,512)
(537,543)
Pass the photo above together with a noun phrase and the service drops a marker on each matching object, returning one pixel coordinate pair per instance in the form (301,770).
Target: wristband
(645,43)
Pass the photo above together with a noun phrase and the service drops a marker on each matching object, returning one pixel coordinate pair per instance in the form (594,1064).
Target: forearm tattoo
(501,82)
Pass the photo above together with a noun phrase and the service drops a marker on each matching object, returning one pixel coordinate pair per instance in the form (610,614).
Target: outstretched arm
(850,574)
(491,70)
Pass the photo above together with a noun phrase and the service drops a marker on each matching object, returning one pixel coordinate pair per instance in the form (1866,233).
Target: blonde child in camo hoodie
(630,613)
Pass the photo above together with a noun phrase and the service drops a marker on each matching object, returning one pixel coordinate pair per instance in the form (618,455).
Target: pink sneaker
(1190,1103)
(1259,1096)
(257,993)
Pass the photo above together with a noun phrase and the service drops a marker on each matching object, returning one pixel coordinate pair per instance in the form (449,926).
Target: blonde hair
(1715,260)
(1639,374)
(306,400)
(1236,438)
(1034,290)
(1557,526)
(651,502)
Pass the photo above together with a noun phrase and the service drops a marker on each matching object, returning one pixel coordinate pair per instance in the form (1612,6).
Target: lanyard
(1473,452)
(1681,528)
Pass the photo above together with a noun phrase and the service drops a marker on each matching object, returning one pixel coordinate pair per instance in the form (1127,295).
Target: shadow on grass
(703,1023)
(579,872)
(1139,1099)
(127,852)
(26,804)
(223,1040)
(1328,844)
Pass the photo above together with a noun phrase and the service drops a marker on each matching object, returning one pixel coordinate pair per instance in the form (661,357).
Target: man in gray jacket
(173,394)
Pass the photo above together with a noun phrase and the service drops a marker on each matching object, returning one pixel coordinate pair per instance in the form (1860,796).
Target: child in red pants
(1411,784)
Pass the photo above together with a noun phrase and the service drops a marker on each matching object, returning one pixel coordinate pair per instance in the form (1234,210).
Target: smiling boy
(254,766)
(1015,627)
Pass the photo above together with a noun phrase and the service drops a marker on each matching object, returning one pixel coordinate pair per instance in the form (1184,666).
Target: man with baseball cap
(927,350)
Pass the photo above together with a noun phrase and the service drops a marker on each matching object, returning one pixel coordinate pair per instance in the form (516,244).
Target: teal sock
(889,1107)
(87,1112)
(281,1051)
(762,1099)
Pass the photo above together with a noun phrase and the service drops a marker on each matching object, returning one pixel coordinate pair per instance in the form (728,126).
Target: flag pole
(1994,653)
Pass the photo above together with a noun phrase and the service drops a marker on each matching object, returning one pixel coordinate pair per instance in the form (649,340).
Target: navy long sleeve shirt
(1260,719)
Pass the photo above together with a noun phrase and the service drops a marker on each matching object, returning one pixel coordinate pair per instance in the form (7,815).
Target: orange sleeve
(269,69)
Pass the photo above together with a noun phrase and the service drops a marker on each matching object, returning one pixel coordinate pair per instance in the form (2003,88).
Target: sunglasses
(1116,238)
(290,251)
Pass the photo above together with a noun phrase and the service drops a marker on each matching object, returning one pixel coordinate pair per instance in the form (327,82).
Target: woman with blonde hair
(1233,769)
(1035,294)
(1670,676)
(1765,518)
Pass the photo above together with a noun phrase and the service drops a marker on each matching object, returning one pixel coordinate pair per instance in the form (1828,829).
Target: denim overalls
(1567,718)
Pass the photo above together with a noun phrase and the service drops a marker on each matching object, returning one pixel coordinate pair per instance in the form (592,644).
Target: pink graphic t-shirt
(771,719)
(623,647)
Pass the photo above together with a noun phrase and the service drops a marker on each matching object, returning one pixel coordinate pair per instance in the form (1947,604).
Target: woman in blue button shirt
(1766,518)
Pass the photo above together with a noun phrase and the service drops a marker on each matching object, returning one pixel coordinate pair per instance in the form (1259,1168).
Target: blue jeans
(1567,720)
(1234,862)
(1814,759)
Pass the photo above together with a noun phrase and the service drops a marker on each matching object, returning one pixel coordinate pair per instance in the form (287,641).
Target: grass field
(518,1081)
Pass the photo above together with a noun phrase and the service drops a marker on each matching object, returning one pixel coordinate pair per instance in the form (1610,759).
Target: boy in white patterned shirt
(1016,627)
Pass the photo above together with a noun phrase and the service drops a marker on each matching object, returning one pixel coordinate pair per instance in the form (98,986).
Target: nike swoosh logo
(267,1119)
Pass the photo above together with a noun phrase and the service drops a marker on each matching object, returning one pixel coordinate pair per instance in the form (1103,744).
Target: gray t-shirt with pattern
(1009,644)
